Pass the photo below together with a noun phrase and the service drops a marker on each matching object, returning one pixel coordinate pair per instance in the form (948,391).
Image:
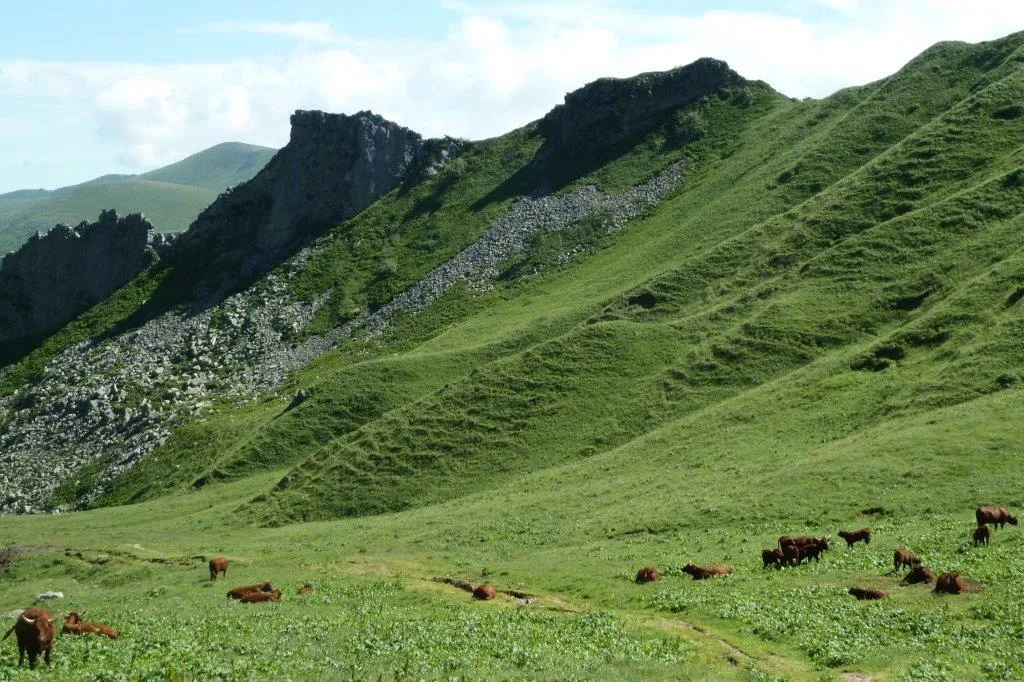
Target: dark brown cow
(997,516)
(35,632)
(218,564)
(74,625)
(647,574)
(814,549)
(867,593)
(904,557)
(853,537)
(792,555)
(705,572)
(982,534)
(305,589)
(484,592)
(254,597)
(772,556)
(242,590)
(950,583)
(919,574)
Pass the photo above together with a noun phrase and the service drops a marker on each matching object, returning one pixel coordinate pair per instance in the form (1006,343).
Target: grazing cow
(74,625)
(254,597)
(647,574)
(484,592)
(772,556)
(982,535)
(305,589)
(853,537)
(867,593)
(705,572)
(218,564)
(997,516)
(242,590)
(904,557)
(950,583)
(35,632)
(919,574)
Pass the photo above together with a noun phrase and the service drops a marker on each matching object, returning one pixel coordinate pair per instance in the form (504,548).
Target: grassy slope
(837,329)
(170,197)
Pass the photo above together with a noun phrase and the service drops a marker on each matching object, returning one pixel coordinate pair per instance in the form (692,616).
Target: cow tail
(9,632)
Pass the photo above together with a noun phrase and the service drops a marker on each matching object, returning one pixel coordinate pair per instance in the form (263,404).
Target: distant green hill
(170,197)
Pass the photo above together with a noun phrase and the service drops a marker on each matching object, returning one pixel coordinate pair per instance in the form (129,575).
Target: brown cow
(792,555)
(982,534)
(950,583)
(218,564)
(772,556)
(305,589)
(242,590)
(705,572)
(35,632)
(647,574)
(814,549)
(867,593)
(903,557)
(997,516)
(484,592)
(74,625)
(919,574)
(853,537)
(254,597)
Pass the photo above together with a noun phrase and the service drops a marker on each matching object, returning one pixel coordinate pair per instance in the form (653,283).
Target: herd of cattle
(35,630)
(794,549)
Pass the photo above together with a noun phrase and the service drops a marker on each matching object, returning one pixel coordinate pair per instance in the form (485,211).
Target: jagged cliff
(55,276)
(334,166)
(610,110)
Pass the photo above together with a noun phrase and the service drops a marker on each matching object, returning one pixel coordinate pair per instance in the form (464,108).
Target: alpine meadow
(677,318)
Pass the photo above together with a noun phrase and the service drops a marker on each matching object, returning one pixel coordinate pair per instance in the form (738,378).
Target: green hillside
(820,328)
(170,197)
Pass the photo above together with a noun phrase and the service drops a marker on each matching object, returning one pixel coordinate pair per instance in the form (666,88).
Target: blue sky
(117,86)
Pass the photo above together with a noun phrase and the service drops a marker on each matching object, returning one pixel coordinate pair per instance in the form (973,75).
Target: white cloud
(496,68)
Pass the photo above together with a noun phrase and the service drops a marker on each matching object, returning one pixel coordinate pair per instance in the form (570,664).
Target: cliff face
(53,277)
(334,166)
(610,110)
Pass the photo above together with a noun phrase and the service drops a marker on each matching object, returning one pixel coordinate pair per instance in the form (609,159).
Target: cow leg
(21,654)
(32,657)
(46,656)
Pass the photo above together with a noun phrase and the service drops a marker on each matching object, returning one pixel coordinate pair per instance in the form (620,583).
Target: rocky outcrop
(55,276)
(610,110)
(333,167)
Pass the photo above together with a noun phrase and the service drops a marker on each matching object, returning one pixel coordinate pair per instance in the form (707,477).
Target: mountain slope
(808,318)
(170,197)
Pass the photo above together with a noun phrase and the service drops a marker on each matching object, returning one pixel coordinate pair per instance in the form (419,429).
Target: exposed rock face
(612,109)
(53,277)
(333,167)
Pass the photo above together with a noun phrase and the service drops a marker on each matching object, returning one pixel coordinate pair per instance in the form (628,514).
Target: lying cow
(74,625)
(853,537)
(254,597)
(35,632)
(904,557)
(647,574)
(997,516)
(242,590)
(950,583)
(919,574)
(705,572)
(982,535)
(867,593)
(304,590)
(218,564)
(485,592)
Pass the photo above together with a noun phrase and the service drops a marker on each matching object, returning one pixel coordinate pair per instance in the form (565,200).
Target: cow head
(823,542)
(265,586)
(72,618)
(1011,519)
(43,626)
